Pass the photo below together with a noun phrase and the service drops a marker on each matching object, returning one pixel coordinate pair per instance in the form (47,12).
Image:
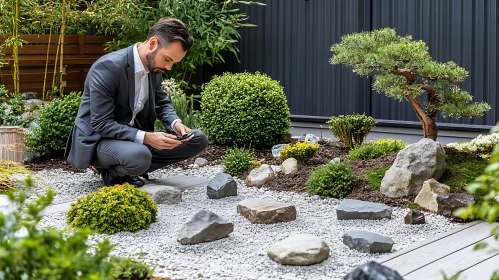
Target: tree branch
(433,99)
(409,76)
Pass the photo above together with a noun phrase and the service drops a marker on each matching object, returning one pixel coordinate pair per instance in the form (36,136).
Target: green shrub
(184,105)
(237,161)
(129,269)
(13,112)
(245,109)
(376,149)
(374,177)
(46,253)
(113,209)
(351,129)
(254,164)
(332,180)
(55,122)
(301,151)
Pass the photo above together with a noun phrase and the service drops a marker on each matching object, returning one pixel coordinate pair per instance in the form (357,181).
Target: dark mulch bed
(53,162)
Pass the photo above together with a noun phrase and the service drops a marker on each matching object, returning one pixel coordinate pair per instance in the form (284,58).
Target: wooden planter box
(80,52)
(12,143)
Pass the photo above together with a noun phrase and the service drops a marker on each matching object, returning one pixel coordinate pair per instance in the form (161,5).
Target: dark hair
(169,30)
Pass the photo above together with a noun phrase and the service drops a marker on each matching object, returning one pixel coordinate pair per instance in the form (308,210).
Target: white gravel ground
(243,254)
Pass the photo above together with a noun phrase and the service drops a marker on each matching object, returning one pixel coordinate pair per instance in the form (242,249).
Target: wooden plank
(428,241)
(38,77)
(42,49)
(94,49)
(44,38)
(452,263)
(481,270)
(97,39)
(420,257)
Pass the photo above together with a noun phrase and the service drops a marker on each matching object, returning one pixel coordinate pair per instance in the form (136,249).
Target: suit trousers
(130,158)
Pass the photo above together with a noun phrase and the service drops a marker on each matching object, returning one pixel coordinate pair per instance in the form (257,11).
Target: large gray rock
(204,226)
(373,271)
(289,166)
(367,242)
(447,204)
(258,176)
(200,162)
(162,194)
(427,197)
(266,211)
(358,209)
(299,249)
(414,165)
(222,185)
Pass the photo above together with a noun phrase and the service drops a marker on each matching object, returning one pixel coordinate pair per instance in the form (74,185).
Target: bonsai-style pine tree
(403,69)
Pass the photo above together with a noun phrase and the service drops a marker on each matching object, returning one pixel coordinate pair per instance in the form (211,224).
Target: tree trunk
(430,128)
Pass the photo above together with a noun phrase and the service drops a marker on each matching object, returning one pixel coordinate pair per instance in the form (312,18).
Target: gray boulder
(358,209)
(414,217)
(162,194)
(367,242)
(200,162)
(204,226)
(373,271)
(258,176)
(414,165)
(447,204)
(299,249)
(222,185)
(289,166)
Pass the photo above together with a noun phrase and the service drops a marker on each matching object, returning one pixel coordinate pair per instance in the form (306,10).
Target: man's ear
(153,43)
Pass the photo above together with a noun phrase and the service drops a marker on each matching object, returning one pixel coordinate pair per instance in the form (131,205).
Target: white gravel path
(243,254)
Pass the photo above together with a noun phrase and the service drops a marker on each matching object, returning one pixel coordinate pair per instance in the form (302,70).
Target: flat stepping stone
(204,226)
(367,242)
(163,194)
(299,249)
(180,182)
(221,186)
(266,211)
(357,209)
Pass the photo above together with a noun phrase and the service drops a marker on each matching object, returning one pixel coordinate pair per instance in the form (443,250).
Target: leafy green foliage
(374,177)
(413,205)
(8,168)
(129,269)
(113,209)
(46,254)
(183,104)
(332,180)
(13,112)
(213,24)
(245,109)
(55,121)
(403,69)
(351,129)
(376,149)
(301,151)
(237,161)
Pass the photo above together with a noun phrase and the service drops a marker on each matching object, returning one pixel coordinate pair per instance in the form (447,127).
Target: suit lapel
(131,77)
(152,93)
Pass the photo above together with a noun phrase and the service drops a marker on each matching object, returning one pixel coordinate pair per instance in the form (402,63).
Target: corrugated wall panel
(462,31)
(293,38)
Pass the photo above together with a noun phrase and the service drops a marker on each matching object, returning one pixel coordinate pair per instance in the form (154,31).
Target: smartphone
(185,136)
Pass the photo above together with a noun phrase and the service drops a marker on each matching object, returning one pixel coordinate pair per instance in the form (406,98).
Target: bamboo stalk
(15,34)
(46,64)
(55,62)
(62,46)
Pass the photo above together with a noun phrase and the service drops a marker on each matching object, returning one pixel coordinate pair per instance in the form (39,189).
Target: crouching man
(122,97)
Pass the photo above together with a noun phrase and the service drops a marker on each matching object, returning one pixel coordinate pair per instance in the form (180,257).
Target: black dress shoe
(136,181)
(108,179)
(145,176)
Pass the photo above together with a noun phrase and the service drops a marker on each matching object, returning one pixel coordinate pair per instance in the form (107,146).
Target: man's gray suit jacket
(107,106)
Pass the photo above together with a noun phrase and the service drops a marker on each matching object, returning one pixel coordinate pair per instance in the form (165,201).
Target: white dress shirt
(141,92)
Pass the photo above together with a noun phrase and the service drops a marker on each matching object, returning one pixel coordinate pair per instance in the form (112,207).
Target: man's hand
(181,129)
(161,140)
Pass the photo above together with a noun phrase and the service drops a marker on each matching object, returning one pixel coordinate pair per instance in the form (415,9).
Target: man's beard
(151,65)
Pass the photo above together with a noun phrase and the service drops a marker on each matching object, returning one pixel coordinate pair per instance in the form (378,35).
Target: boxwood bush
(301,151)
(376,149)
(331,180)
(113,209)
(237,161)
(245,109)
(351,129)
(55,121)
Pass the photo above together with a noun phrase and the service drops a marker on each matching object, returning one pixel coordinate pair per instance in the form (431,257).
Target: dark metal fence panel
(292,44)
(462,31)
(293,38)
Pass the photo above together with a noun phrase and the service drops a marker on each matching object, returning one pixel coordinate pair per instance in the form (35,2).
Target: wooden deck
(450,253)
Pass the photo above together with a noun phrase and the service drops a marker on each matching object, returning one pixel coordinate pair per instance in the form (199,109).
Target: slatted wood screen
(80,51)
